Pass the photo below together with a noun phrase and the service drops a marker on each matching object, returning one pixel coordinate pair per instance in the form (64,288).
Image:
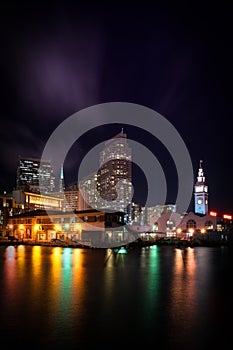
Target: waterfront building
(114,176)
(29,170)
(93,226)
(201,193)
(224,223)
(174,224)
(8,208)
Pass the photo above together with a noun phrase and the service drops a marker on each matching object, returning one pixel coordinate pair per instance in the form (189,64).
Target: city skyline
(84,184)
(159,57)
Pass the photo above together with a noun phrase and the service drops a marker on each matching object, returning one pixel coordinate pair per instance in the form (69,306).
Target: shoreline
(129,246)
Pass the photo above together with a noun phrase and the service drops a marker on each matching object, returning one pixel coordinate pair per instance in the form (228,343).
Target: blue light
(120,250)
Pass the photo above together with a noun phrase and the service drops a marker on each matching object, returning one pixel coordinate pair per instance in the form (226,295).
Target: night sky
(176,60)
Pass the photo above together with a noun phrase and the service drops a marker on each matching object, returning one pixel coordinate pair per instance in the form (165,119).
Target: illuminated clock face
(199,201)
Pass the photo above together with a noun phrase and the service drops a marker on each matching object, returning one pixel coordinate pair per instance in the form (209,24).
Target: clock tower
(201,193)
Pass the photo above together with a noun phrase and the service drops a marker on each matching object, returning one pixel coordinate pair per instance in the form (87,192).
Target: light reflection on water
(57,297)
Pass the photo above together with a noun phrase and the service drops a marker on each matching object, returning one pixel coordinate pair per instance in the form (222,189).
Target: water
(71,298)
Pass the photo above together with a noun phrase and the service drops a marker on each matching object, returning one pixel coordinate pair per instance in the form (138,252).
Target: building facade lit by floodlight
(114,176)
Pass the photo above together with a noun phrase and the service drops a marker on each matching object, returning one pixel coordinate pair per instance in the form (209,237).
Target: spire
(62,173)
(200,177)
(121,134)
(61,180)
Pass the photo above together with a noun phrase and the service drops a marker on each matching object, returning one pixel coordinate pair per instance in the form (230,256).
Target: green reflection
(65,290)
(153,280)
(66,270)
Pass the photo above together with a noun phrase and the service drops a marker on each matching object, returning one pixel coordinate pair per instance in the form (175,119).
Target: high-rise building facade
(29,170)
(114,176)
(88,192)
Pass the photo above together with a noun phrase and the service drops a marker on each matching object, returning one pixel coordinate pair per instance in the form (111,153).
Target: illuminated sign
(213,213)
(227,216)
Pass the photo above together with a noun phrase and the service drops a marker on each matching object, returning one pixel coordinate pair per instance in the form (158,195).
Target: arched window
(155,226)
(191,224)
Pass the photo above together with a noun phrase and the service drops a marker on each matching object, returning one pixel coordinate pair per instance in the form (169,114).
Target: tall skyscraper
(115,173)
(28,172)
(201,193)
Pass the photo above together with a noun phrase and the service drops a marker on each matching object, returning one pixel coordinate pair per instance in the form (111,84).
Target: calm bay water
(161,296)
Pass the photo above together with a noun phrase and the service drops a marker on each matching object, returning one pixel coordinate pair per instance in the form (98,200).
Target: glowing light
(153,247)
(36,227)
(10,253)
(58,227)
(122,250)
(178,230)
(213,213)
(10,226)
(191,230)
(77,227)
(227,216)
(203,230)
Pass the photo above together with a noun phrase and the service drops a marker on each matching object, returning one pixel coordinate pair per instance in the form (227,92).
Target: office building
(114,176)
(30,171)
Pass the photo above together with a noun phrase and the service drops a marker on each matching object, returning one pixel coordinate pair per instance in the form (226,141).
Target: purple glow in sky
(59,59)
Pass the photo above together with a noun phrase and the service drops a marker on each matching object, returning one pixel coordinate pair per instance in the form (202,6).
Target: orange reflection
(66,289)
(36,260)
(183,302)
(35,278)
(78,273)
(21,260)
